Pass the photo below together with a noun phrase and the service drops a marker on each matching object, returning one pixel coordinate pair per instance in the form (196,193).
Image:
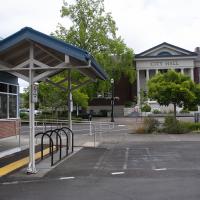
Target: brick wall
(9,127)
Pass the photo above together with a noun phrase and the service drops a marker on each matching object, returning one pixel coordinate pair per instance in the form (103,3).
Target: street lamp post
(112,100)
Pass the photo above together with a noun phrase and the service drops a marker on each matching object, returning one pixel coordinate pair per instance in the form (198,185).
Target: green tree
(173,88)
(54,97)
(94,30)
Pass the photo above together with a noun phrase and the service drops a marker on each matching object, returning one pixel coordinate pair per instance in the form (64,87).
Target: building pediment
(165,50)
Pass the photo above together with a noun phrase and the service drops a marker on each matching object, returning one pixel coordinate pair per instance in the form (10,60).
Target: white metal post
(90,127)
(138,86)
(69,99)
(31,167)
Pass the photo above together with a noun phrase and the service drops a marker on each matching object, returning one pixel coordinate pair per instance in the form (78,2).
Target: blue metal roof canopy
(55,44)
(34,56)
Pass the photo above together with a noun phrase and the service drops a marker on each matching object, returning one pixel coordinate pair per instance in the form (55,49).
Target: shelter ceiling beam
(82,84)
(16,54)
(42,76)
(23,64)
(6,67)
(75,81)
(57,85)
(48,52)
(63,80)
(41,65)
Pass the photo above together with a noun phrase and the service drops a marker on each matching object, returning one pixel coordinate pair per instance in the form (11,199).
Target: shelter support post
(69,99)
(31,167)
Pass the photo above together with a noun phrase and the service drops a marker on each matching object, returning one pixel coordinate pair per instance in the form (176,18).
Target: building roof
(17,43)
(182,52)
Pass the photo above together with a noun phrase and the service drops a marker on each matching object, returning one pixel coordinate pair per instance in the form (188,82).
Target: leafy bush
(173,126)
(128,104)
(140,130)
(146,108)
(184,111)
(156,111)
(24,116)
(193,108)
(150,125)
(191,126)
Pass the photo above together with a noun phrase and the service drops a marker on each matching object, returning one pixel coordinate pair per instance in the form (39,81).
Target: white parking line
(10,183)
(149,157)
(160,169)
(117,173)
(66,178)
(126,159)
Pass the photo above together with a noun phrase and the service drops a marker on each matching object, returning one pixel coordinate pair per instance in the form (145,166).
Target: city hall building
(163,57)
(148,63)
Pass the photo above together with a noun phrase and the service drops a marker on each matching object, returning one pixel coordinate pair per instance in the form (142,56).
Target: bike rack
(69,131)
(67,140)
(58,133)
(51,145)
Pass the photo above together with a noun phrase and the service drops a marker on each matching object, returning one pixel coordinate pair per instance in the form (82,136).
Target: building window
(13,89)
(12,106)
(3,87)
(3,105)
(164,53)
(8,101)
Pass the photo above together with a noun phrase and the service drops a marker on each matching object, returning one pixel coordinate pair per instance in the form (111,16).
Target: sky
(141,23)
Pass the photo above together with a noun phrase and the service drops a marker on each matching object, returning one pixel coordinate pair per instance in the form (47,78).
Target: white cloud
(145,23)
(142,23)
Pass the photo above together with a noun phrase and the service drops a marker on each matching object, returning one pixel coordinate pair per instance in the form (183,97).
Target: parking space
(124,166)
(174,159)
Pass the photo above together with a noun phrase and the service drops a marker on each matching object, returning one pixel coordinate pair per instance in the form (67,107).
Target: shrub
(156,111)
(191,126)
(140,130)
(128,104)
(24,116)
(146,108)
(184,111)
(150,125)
(173,126)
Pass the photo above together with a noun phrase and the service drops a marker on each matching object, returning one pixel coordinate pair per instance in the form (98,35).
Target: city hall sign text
(170,63)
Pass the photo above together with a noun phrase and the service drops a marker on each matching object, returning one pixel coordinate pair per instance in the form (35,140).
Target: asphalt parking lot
(124,166)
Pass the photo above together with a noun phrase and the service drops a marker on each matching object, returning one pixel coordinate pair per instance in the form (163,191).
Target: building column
(147,79)
(138,87)
(147,75)
(192,73)
(156,71)
(182,70)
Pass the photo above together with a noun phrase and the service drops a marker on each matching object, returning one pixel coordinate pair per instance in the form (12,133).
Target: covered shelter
(34,57)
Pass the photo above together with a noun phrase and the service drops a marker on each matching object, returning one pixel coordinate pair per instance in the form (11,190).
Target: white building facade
(163,57)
